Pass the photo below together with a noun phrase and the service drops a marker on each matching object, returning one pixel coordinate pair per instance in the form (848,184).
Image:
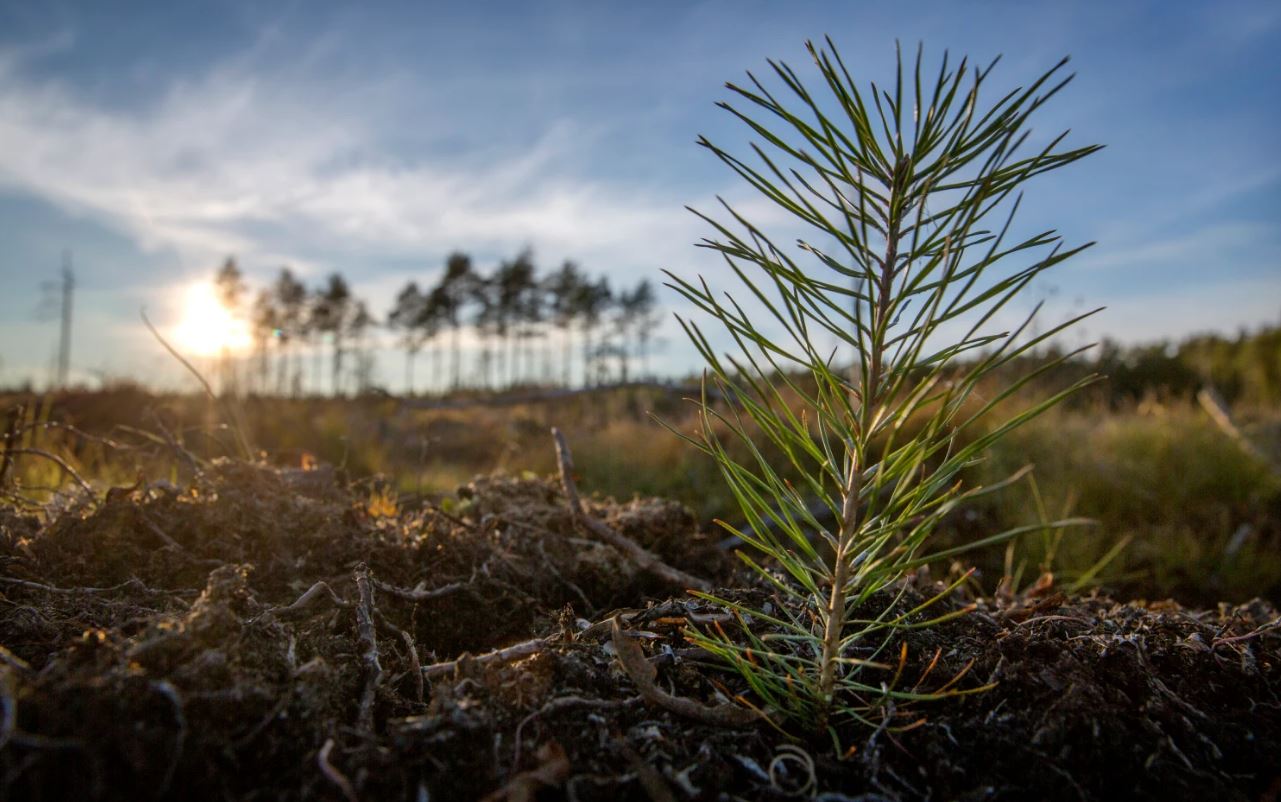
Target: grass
(1203,516)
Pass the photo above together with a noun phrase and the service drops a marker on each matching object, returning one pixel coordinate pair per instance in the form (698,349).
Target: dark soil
(273,634)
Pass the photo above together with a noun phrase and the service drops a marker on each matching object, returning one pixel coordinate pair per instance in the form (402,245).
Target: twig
(333,774)
(167,439)
(12,660)
(307,598)
(643,674)
(59,461)
(6,458)
(565,703)
(135,582)
(155,529)
(514,652)
(1254,633)
(646,560)
(419,594)
(1036,619)
(167,690)
(369,642)
(415,667)
(237,426)
(1217,409)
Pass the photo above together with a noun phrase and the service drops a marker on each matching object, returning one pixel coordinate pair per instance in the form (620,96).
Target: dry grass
(1204,518)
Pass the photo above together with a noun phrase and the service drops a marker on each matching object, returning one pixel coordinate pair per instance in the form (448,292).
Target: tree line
(499,329)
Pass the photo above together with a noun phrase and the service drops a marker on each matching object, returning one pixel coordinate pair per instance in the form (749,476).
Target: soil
(280,634)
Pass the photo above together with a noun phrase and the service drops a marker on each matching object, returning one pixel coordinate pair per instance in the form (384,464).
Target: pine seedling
(856,358)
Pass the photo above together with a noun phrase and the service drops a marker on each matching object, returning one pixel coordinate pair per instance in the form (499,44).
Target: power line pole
(64,341)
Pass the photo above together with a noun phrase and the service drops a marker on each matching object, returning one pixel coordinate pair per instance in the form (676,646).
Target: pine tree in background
(404,318)
(291,300)
(563,288)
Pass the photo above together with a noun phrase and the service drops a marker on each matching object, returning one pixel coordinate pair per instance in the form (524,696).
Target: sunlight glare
(207,328)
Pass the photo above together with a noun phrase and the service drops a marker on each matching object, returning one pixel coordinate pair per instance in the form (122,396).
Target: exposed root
(308,598)
(332,773)
(646,560)
(643,674)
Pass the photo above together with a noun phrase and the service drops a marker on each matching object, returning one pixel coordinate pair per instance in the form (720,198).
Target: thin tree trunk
(568,355)
(456,358)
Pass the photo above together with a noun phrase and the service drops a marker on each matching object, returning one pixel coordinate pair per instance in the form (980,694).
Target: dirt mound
(267,633)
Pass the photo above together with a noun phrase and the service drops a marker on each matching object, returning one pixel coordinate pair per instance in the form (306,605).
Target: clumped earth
(263,633)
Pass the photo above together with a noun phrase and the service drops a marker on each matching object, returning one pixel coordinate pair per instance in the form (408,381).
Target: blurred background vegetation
(1196,501)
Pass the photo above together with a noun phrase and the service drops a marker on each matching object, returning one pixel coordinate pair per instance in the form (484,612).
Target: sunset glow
(207,328)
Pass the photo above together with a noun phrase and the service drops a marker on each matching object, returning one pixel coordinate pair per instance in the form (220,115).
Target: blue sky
(372,139)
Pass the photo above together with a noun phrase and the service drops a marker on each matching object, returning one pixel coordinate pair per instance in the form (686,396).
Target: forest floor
(267,633)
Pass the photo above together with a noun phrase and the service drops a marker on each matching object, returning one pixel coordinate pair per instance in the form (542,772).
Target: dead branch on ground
(369,644)
(643,558)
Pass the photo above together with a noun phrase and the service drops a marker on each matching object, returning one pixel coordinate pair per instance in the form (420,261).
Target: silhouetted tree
(291,303)
(405,317)
(265,323)
(358,329)
(563,288)
(229,289)
(487,320)
(329,308)
(593,299)
(455,288)
(434,315)
(639,320)
(514,284)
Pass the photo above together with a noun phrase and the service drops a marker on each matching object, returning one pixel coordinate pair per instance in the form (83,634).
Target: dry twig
(333,774)
(307,599)
(419,594)
(643,674)
(59,461)
(369,644)
(514,652)
(645,559)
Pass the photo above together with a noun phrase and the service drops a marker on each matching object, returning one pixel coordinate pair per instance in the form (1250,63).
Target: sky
(155,140)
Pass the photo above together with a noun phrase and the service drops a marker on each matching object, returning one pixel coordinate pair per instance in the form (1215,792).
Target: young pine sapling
(905,276)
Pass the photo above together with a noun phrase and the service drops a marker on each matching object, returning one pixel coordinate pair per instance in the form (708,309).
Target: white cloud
(1209,246)
(236,162)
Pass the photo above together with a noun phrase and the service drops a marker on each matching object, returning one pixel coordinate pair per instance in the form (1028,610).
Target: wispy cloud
(290,170)
(1204,249)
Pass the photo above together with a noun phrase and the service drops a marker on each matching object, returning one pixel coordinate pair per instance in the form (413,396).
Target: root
(307,599)
(643,558)
(643,675)
(333,774)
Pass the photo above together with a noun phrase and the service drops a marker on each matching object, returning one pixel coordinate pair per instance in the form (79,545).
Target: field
(387,598)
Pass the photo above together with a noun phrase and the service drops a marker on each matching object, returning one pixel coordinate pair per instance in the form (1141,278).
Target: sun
(207,328)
